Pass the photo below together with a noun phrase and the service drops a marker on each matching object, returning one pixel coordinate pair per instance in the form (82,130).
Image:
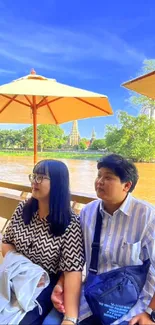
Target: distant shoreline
(60,154)
(85,155)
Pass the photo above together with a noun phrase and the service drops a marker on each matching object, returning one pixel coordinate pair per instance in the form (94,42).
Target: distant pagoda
(93,136)
(74,137)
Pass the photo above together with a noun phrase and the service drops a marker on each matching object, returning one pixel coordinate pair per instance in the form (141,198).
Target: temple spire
(74,137)
(93,136)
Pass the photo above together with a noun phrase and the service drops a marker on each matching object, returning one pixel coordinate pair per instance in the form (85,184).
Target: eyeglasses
(37,178)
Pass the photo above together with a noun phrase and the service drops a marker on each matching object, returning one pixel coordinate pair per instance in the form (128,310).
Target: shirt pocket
(130,253)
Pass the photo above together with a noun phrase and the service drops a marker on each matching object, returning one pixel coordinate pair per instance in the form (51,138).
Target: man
(127,236)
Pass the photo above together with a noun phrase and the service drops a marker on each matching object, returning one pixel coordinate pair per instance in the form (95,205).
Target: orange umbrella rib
(15,100)
(56,122)
(41,101)
(28,100)
(51,101)
(7,104)
(86,102)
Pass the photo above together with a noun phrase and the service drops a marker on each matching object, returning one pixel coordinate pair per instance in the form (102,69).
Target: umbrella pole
(34,109)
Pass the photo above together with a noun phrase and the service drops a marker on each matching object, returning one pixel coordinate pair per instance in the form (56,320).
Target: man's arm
(152,303)
(144,318)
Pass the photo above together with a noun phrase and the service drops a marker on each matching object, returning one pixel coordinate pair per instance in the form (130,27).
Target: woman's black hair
(121,167)
(59,203)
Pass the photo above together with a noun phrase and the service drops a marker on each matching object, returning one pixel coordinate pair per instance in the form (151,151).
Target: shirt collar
(125,207)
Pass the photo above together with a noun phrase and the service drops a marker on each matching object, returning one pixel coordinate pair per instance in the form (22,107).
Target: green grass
(65,155)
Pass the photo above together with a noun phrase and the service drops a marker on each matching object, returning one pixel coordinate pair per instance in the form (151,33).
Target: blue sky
(95,45)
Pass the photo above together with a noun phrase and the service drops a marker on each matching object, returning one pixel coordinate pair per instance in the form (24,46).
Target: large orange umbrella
(36,99)
(144,85)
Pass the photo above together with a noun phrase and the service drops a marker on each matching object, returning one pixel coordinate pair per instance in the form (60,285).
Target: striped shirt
(127,238)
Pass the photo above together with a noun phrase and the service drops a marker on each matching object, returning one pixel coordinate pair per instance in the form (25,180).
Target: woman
(46,231)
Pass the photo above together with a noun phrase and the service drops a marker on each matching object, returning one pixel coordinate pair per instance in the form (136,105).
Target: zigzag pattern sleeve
(72,251)
(8,236)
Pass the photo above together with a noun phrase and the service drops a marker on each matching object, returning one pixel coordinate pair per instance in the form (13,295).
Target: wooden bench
(8,204)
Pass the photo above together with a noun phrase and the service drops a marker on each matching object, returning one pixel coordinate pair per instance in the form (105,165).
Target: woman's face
(40,185)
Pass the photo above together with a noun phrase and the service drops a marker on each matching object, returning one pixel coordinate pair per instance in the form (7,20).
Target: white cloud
(60,49)
(5,72)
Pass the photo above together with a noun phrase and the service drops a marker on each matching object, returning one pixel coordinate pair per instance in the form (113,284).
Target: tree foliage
(98,144)
(49,136)
(83,144)
(134,138)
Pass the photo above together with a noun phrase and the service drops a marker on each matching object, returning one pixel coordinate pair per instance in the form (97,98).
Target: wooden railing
(9,201)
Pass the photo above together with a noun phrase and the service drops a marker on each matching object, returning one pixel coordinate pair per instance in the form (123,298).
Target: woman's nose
(34,180)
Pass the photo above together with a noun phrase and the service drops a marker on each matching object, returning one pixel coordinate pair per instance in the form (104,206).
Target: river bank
(79,155)
(56,154)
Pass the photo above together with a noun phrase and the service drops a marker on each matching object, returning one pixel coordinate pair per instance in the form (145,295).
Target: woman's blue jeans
(55,318)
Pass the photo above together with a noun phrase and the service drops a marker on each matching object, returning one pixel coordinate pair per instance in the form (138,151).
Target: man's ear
(127,186)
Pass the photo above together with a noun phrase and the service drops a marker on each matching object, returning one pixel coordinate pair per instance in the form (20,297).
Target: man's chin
(100,195)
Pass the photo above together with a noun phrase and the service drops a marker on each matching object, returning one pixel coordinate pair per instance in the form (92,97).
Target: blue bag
(112,294)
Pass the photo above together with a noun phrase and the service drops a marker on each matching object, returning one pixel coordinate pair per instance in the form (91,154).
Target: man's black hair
(121,167)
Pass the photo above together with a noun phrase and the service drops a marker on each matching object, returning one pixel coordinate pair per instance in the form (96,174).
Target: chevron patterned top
(61,253)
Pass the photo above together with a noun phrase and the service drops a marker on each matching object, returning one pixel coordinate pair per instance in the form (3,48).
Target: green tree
(3,138)
(134,138)
(10,138)
(98,144)
(27,138)
(18,135)
(143,103)
(83,144)
(50,136)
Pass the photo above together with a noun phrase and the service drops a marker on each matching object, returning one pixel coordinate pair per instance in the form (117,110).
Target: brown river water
(82,175)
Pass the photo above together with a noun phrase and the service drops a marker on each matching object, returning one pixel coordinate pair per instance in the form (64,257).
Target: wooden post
(34,110)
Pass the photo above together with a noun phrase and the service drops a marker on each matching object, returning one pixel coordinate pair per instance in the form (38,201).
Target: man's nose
(101,180)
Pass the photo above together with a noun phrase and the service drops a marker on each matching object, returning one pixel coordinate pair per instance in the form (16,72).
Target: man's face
(109,188)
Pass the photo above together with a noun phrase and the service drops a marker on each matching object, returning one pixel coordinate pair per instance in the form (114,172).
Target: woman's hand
(57,298)
(6,248)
